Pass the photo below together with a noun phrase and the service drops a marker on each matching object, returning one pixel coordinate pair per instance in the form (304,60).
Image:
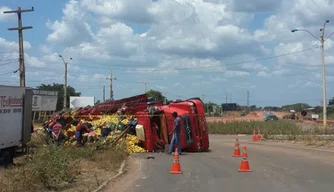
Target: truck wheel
(5,158)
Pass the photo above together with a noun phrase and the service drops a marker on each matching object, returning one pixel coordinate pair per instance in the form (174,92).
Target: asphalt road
(275,168)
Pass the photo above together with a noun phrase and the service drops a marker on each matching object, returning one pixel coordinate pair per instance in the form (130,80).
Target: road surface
(275,168)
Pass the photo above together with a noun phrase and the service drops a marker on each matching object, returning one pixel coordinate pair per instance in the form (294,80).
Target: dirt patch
(252,116)
(280,114)
(319,121)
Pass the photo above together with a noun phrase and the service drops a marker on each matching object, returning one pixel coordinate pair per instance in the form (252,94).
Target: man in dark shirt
(176,134)
(80,130)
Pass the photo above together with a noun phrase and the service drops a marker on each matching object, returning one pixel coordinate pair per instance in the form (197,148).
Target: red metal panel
(144,120)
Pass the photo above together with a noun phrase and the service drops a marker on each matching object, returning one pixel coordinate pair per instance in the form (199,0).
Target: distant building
(229,106)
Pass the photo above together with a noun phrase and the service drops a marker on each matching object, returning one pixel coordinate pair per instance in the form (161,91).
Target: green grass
(247,127)
(52,168)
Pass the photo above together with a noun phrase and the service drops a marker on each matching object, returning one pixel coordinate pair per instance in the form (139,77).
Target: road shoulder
(132,172)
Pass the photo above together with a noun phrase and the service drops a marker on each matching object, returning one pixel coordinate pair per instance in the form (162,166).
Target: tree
(272,108)
(60,88)
(331,102)
(97,102)
(297,107)
(157,95)
(253,108)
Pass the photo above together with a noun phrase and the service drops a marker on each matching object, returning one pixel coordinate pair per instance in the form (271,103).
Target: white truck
(15,121)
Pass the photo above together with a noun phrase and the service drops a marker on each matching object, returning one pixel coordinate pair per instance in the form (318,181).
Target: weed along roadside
(247,127)
(282,130)
(50,168)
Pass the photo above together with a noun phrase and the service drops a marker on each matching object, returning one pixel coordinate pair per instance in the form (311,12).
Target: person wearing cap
(176,139)
(80,130)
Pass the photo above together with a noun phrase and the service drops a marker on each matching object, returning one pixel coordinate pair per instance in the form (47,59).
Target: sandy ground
(280,114)
(255,116)
(258,116)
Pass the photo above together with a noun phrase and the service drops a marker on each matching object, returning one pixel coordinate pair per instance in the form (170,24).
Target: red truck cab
(194,129)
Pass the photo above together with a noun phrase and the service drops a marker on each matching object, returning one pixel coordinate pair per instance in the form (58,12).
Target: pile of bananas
(109,119)
(131,140)
(131,145)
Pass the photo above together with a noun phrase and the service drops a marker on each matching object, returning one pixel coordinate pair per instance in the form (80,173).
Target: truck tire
(5,158)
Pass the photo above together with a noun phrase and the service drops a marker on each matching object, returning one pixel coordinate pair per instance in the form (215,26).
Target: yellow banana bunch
(72,128)
(131,144)
(131,140)
(125,121)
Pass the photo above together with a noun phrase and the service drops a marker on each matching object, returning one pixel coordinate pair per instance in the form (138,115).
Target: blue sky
(183,48)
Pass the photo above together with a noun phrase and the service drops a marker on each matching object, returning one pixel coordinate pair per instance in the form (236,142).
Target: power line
(236,63)
(212,66)
(3,64)
(9,59)
(10,72)
(4,52)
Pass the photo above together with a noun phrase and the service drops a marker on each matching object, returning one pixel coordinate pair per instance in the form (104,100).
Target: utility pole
(207,104)
(324,100)
(111,91)
(226,97)
(104,93)
(322,41)
(248,100)
(205,108)
(21,51)
(145,83)
(65,84)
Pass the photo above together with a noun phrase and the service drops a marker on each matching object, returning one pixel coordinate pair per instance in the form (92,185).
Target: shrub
(56,168)
(247,127)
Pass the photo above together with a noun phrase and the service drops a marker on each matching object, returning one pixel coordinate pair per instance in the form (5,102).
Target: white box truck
(15,121)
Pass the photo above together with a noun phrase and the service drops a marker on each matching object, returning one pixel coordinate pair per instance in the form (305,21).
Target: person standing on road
(176,139)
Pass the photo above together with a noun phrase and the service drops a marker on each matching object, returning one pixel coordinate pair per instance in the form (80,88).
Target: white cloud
(263,74)
(83,78)
(73,29)
(244,86)
(98,76)
(235,73)
(195,44)
(34,61)
(11,46)
(6,16)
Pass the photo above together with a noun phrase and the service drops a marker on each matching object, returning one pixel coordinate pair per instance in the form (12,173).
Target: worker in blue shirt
(176,133)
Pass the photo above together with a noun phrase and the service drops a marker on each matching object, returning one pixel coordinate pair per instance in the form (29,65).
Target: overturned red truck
(155,118)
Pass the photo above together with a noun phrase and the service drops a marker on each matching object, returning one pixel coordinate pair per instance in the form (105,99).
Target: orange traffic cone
(236,141)
(259,136)
(244,153)
(254,136)
(244,165)
(236,149)
(176,167)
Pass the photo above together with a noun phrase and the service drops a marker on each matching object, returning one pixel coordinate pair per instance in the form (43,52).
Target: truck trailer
(155,120)
(15,121)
